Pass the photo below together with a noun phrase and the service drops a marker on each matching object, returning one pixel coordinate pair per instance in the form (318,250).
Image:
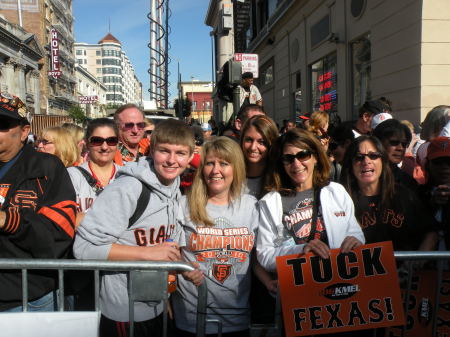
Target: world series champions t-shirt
(297,217)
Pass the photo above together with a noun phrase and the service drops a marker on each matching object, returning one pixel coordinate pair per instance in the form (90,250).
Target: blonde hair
(318,121)
(229,151)
(65,147)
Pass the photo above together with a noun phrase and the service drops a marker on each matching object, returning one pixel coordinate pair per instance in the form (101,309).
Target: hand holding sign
(352,291)
(349,243)
(318,247)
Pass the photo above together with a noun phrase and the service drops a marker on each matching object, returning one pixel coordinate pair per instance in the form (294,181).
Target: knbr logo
(340,291)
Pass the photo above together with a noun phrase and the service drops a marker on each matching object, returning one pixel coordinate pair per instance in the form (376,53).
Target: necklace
(99,184)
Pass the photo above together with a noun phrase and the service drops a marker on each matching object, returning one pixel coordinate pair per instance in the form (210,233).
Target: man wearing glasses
(130,121)
(37,210)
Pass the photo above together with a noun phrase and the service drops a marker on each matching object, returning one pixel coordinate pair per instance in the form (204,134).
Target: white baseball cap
(380,118)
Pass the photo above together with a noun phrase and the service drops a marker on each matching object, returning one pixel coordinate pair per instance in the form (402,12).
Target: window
(324,85)
(85,53)
(80,61)
(98,61)
(85,61)
(99,70)
(97,53)
(361,72)
(79,52)
(266,77)
(320,30)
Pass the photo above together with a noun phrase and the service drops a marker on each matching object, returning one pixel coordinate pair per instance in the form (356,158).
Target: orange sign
(353,291)
(421,306)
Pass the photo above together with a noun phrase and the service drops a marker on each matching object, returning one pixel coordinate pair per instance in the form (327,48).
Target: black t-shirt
(404,222)
(297,217)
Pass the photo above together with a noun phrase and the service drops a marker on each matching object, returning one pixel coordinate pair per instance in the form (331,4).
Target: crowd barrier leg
(144,286)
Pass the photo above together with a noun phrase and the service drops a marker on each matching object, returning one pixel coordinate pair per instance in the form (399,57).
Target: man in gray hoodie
(105,233)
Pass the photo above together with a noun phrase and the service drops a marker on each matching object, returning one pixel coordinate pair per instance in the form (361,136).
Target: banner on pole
(353,291)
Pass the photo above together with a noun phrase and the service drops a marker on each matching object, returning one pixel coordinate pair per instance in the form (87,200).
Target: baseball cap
(374,106)
(439,147)
(380,118)
(206,127)
(247,74)
(12,107)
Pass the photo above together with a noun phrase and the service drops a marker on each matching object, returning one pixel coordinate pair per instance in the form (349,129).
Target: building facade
(333,55)
(20,53)
(111,66)
(91,94)
(199,94)
(40,18)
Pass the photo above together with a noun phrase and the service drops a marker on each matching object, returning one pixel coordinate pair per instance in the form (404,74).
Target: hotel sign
(54,54)
(88,99)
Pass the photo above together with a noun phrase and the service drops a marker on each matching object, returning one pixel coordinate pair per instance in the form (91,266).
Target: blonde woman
(59,142)
(318,125)
(219,225)
(77,133)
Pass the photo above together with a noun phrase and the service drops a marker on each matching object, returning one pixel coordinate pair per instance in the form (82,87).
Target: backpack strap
(141,205)
(315,214)
(89,178)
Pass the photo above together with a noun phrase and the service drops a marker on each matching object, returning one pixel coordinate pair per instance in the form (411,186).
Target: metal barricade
(140,272)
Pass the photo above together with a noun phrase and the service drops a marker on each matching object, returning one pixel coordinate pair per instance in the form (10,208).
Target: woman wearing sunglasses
(59,142)
(303,211)
(99,170)
(386,211)
(395,138)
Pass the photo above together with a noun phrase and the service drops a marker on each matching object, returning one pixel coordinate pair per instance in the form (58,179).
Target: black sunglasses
(302,155)
(395,142)
(8,123)
(129,126)
(198,142)
(148,132)
(98,141)
(371,155)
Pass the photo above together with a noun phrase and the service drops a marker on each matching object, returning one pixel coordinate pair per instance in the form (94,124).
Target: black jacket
(39,202)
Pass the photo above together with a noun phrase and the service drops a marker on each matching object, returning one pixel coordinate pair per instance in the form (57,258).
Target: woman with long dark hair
(385,210)
(298,214)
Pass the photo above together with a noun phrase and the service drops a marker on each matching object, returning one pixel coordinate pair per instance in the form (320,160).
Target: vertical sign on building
(55,71)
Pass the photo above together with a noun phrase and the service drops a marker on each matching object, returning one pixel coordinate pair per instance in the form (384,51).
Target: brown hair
(172,131)
(277,178)
(318,121)
(124,107)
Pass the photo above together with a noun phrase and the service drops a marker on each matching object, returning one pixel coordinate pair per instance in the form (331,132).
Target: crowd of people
(228,203)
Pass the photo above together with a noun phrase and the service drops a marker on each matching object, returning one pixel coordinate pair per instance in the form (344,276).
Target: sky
(189,38)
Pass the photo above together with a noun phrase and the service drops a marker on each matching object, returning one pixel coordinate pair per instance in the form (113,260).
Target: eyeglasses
(98,141)
(302,155)
(396,142)
(129,126)
(44,142)
(8,123)
(372,156)
(198,142)
(148,132)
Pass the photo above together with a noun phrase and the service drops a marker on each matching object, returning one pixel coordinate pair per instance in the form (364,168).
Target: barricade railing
(140,274)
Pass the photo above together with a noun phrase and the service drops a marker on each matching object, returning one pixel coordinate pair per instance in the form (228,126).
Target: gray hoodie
(106,222)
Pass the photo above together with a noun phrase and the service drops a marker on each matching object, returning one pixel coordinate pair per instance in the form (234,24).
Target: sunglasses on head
(8,123)
(302,155)
(395,142)
(148,132)
(98,141)
(129,126)
(372,156)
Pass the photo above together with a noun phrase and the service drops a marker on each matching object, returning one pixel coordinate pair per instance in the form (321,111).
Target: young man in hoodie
(106,233)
